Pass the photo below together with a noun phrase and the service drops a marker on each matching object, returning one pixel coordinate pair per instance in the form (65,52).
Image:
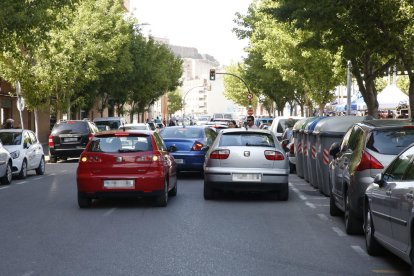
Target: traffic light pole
(245,84)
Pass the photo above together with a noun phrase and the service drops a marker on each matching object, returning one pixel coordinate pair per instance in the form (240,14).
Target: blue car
(191,143)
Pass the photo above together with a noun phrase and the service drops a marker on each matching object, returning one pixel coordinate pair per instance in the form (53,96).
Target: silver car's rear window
(247,139)
(391,141)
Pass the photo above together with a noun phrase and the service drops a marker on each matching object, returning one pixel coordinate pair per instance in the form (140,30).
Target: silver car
(365,150)
(389,207)
(243,159)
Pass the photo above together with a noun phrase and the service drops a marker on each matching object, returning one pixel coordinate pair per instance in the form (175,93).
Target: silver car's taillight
(220,154)
(274,155)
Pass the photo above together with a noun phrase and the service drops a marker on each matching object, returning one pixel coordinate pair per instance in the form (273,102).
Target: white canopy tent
(391,97)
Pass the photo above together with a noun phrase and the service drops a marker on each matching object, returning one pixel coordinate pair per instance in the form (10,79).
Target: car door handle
(389,192)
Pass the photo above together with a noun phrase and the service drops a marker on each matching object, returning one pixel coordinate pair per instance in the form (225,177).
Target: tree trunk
(321,109)
(36,118)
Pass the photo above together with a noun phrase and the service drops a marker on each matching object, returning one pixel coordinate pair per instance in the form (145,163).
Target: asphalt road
(43,232)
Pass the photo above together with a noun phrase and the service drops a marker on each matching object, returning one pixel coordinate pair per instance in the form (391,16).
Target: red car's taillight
(51,143)
(220,154)
(368,162)
(90,159)
(197,146)
(274,155)
(149,158)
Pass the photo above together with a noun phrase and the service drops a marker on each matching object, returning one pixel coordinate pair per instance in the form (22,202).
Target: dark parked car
(69,138)
(388,209)
(191,142)
(366,149)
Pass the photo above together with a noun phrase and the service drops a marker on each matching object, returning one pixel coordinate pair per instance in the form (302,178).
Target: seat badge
(118,159)
(247,154)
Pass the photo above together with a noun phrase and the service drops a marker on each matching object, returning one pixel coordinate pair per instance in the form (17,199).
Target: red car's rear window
(112,144)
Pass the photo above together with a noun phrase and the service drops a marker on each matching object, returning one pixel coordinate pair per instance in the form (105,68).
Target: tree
(175,102)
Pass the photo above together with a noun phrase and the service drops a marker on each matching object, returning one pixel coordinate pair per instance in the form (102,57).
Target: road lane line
(360,251)
(323,217)
(107,213)
(20,183)
(2,188)
(339,232)
(321,205)
(302,196)
(37,178)
(310,205)
(389,271)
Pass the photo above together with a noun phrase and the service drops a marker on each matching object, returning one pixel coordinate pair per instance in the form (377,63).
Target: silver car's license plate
(247,177)
(121,184)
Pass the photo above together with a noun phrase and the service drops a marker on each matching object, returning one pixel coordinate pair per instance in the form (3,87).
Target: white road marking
(302,196)
(37,178)
(310,205)
(323,217)
(322,205)
(320,197)
(339,231)
(107,213)
(2,188)
(51,174)
(20,183)
(359,250)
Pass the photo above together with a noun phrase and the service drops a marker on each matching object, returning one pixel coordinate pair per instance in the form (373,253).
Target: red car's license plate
(119,184)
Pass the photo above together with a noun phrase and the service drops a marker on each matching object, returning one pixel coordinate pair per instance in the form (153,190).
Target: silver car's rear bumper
(222,178)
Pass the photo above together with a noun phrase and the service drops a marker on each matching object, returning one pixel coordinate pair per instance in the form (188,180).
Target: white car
(136,126)
(25,150)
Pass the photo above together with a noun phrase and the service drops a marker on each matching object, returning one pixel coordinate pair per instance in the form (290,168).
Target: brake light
(292,149)
(197,146)
(51,143)
(220,154)
(90,159)
(274,155)
(368,162)
(90,136)
(148,158)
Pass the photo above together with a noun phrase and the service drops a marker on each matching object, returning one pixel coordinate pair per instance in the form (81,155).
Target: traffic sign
(250,96)
(20,103)
(250,111)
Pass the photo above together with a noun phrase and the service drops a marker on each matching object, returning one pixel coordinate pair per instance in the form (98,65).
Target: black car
(69,138)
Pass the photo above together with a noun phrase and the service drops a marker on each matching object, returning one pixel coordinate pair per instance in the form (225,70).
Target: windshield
(111,124)
(247,139)
(114,144)
(11,138)
(70,127)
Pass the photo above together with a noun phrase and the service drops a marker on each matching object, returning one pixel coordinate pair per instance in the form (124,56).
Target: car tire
(84,201)
(53,159)
(23,170)
(7,178)
(284,194)
(208,192)
(372,245)
(352,224)
(162,200)
(173,192)
(42,167)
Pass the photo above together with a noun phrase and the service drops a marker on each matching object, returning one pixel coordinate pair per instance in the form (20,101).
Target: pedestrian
(250,122)
(172,123)
(9,123)
(232,124)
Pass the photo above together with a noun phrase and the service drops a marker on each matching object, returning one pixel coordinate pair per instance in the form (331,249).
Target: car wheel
(23,170)
(162,200)
(42,167)
(84,201)
(208,192)
(173,192)
(372,245)
(284,194)
(352,224)
(7,178)
(53,159)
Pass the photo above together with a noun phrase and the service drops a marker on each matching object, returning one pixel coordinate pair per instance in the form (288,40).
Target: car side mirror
(334,149)
(379,179)
(172,148)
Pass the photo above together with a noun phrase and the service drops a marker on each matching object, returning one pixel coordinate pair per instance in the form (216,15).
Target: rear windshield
(173,132)
(112,124)
(11,138)
(111,144)
(390,141)
(70,127)
(247,139)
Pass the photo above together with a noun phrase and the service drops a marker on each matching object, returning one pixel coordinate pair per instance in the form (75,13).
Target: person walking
(250,122)
(9,123)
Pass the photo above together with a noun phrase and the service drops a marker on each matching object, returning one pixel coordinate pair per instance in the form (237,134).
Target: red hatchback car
(126,164)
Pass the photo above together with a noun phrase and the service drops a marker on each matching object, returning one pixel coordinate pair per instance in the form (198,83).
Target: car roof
(241,129)
(386,123)
(107,119)
(121,132)
(13,130)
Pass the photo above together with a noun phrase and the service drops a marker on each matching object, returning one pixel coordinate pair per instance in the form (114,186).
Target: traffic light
(212,74)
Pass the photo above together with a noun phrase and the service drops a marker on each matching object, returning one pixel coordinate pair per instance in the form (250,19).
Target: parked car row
(20,152)
(371,183)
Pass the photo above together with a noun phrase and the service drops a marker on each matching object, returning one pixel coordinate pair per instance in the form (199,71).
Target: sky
(205,25)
